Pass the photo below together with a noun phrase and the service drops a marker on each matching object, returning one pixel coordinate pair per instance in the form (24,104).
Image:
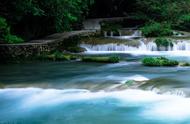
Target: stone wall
(30,49)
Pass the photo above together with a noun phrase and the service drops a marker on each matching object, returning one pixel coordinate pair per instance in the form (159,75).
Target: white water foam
(170,107)
(138,78)
(180,48)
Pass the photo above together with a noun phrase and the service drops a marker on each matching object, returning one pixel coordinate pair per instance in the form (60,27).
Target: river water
(93,93)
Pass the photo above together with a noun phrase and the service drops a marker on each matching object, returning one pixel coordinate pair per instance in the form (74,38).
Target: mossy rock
(184,64)
(2,85)
(101,59)
(57,56)
(159,61)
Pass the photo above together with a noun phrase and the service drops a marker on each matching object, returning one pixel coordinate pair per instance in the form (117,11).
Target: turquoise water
(91,93)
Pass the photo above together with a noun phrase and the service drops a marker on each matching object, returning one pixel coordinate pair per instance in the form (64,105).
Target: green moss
(57,56)
(155,29)
(159,61)
(101,59)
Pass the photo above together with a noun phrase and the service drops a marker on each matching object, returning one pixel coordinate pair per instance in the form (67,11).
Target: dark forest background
(31,19)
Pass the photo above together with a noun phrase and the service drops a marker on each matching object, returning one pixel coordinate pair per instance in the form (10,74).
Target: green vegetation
(184,64)
(163,42)
(155,29)
(9,38)
(36,18)
(56,56)
(184,23)
(5,33)
(112,59)
(159,61)
(163,10)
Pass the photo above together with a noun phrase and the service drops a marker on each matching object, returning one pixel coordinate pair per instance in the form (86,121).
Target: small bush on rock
(159,61)
(184,64)
(155,29)
(57,56)
(163,42)
(101,59)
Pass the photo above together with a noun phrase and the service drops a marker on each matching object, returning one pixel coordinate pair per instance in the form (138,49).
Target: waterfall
(105,33)
(136,34)
(120,47)
(150,46)
(182,45)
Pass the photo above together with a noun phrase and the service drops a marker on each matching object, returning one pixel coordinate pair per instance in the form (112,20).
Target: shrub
(184,64)
(159,61)
(163,42)
(4,29)
(155,29)
(5,34)
(184,23)
(13,39)
(101,59)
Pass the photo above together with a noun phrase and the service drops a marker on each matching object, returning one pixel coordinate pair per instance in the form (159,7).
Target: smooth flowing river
(91,93)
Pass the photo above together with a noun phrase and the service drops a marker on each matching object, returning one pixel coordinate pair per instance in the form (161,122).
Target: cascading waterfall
(150,46)
(182,45)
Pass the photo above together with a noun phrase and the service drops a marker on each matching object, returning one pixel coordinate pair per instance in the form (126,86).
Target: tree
(33,18)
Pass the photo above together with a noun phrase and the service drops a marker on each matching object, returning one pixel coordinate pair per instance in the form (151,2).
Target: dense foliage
(163,42)
(159,61)
(174,12)
(162,10)
(155,29)
(5,34)
(183,23)
(34,18)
